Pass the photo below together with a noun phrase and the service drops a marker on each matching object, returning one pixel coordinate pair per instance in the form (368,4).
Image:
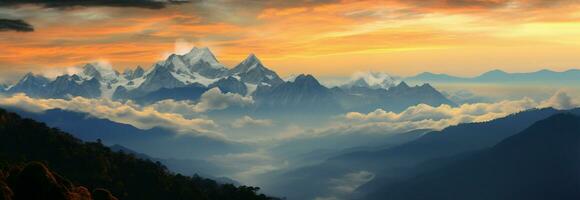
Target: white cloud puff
(374,79)
(214,99)
(425,116)
(560,100)
(128,113)
(249,121)
(415,117)
(167,113)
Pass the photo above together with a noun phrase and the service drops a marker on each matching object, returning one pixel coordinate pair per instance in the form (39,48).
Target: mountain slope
(541,162)
(95,166)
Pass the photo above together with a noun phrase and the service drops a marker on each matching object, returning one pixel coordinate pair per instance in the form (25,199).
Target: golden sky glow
(325,38)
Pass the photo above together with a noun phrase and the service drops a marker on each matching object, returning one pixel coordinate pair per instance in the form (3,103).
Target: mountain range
(187,76)
(501,77)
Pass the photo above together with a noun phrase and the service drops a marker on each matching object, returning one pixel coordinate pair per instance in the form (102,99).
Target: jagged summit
(200,54)
(131,74)
(30,84)
(251,70)
(250,63)
(426,85)
(90,70)
(198,61)
(251,59)
(99,71)
(31,76)
(402,85)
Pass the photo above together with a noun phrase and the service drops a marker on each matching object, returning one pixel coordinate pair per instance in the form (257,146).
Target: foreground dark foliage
(94,166)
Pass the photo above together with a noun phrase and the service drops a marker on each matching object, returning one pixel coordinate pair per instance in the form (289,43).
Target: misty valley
(289,100)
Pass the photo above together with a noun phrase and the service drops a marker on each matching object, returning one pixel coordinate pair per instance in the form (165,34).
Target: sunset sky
(324,38)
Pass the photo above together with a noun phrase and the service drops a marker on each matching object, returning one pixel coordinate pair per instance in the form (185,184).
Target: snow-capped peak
(250,63)
(251,70)
(100,71)
(373,80)
(131,74)
(252,59)
(175,63)
(27,76)
(201,54)
(90,71)
(34,78)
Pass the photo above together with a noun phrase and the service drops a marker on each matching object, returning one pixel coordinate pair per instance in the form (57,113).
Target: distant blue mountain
(428,77)
(541,162)
(499,77)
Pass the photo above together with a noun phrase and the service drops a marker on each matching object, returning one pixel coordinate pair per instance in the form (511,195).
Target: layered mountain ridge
(187,76)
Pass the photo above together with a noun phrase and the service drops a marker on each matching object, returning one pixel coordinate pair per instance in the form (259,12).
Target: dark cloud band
(22,26)
(15,25)
(150,4)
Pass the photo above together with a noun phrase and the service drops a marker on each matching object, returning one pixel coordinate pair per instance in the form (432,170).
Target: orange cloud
(302,37)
